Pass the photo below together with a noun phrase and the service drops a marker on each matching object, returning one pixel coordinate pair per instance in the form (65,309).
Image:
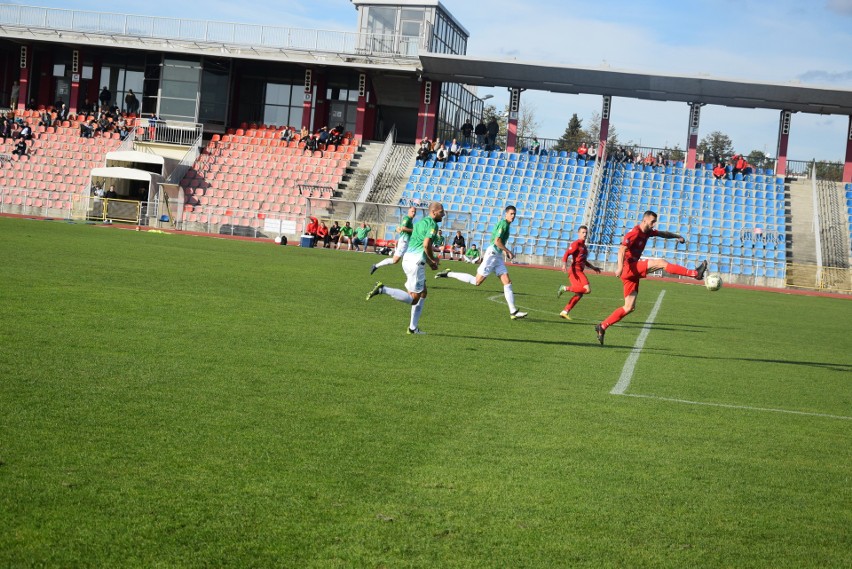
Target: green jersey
(424,229)
(407,223)
(347,231)
(361,232)
(501,231)
(438,241)
(473,253)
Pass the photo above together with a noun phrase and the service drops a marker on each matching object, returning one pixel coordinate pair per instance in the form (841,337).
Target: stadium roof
(635,85)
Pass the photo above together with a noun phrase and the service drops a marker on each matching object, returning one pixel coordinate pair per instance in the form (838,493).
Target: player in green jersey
(405,227)
(492,262)
(418,255)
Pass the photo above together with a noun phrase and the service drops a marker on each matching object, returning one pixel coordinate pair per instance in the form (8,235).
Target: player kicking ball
(577,281)
(630,268)
(405,227)
(418,255)
(492,262)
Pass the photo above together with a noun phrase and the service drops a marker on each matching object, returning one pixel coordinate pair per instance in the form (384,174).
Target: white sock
(463,277)
(416,310)
(388,261)
(397,294)
(510,297)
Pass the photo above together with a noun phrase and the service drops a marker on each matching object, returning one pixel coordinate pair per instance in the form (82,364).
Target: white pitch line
(630,364)
(743,407)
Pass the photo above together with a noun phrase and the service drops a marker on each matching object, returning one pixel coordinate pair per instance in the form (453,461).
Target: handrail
(180,170)
(381,161)
(217,32)
(817,236)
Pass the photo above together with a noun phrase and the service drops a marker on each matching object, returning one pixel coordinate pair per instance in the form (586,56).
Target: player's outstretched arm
(502,246)
(670,235)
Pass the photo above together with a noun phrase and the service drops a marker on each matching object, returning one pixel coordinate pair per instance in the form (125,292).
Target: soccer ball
(713,281)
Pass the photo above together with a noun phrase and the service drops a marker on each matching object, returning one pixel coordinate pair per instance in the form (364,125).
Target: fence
(170,132)
(208,31)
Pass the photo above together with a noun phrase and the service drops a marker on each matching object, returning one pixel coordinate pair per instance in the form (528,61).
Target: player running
(492,262)
(418,255)
(630,268)
(405,227)
(577,280)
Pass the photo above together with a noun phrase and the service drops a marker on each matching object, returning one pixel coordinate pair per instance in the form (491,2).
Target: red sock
(571,303)
(616,315)
(673,269)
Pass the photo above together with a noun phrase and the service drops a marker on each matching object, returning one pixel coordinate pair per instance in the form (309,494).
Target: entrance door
(342,112)
(63,91)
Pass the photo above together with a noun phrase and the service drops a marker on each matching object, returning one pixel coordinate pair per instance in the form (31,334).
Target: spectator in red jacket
(312,228)
(719,171)
(322,233)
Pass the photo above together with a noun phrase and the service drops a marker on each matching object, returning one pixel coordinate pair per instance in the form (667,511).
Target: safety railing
(169,132)
(379,166)
(210,31)
(180,170)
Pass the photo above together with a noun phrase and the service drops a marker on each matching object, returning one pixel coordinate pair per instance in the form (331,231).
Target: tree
(594,132)
(573,135)
(527,123)
(716,146)
(677,154)
(832,171)
(758,158)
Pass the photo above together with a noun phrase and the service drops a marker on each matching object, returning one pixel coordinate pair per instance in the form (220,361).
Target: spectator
(312,145)
(105,97)
(288,134)
(87,129)
(455,150)
(111,194)
(5,128)
(32,105)
(322,233)
(458,246)
(361,234)
(131,103)
(87,108)
(472,255)
(46,120)
(738,163)
(481,133)
(311,230)
(442,155)
(467,133)
(335,137)
(493,131)
(424,151)
(346,233)
(13,97)
(20,148)
(304,133)
(592,154)
(582,151)
(123,129)
(438,245)
(535,146)
(322,137)
(62,112)
(649,159)
(333,234)
(26,132)
(719,171)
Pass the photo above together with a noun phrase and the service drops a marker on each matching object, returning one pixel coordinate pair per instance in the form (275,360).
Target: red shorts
(577,278)
(631,273)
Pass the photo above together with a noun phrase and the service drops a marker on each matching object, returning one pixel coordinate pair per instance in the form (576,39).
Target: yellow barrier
(811,277)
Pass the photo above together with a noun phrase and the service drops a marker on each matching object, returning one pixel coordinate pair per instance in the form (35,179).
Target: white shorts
(414,266)
(401,248)
(492,262)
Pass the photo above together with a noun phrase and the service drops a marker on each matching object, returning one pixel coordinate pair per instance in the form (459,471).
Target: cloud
(820,76)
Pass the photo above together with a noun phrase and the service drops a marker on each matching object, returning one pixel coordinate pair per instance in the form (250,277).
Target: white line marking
(630,364)
(743,407)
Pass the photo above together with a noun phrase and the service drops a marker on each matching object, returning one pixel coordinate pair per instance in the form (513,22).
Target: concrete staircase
(392,180)
(356,176)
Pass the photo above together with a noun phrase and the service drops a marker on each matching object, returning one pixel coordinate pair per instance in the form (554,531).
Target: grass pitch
(179,401)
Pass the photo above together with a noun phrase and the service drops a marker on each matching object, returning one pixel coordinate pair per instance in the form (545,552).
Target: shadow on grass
(844,368)
(592,342)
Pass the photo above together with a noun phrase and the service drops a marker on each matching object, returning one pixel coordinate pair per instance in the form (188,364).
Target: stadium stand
(738,225)
(849,215)
(56,169)
(249,174)
(550,192)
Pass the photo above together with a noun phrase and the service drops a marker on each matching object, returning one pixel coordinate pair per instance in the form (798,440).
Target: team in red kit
(577,281)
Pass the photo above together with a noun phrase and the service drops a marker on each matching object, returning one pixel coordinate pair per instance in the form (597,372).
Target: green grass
(177,401)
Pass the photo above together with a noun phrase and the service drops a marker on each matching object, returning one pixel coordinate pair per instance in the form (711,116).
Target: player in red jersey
(578,283)
(631,268)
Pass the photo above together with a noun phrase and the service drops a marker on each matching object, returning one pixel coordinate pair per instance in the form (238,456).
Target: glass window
(381,20)
(177,108)
(59,70)
(180,89)
(277,94)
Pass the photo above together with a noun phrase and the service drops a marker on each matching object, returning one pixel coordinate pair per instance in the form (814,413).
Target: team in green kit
(420,253)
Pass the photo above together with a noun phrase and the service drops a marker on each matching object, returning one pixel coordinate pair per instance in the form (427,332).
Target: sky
(779,41)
